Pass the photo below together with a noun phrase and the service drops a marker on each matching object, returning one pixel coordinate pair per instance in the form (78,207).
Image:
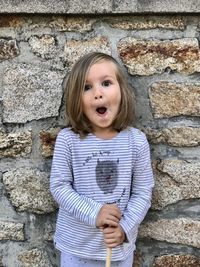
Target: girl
(101,173)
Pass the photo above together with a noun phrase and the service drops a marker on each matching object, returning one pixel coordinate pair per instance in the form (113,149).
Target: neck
(106,134)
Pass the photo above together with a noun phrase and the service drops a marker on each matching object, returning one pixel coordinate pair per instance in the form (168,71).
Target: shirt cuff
(94,214)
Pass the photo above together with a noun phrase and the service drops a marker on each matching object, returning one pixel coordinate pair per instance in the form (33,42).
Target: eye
(87,87)
(106,83)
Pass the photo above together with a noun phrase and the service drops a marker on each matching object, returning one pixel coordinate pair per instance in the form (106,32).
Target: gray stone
(35,257)
(11,231)
(175,99)
(129,22)
(15,144)
(49,232)
(28,190)
(88,6)
(35,6)
(44,46)
(11,21)
(175,180)
(72,24)
(8,49)
(179,231)
(97,7)
(175,136)
(156,6)
(147,57)
(48,139)
(37,93)
(75,49)
(177,260)
(137,258)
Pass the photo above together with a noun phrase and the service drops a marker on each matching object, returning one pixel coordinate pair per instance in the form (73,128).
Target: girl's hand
(113,236)
(109,215)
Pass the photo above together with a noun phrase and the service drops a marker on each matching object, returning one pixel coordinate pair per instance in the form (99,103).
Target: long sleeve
(141,192)
(61,185)
(79,166)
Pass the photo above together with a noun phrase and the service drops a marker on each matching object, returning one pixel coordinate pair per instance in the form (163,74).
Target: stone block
(175,99)
(175,136)
(148,57)
(99,7)
(72,24)
(12,21)
(177,261)
(44,46)
(8,49)
(28,190)
(156,6)
(137,258)
(35,257)
(38,93)
(35,6)
(74,49)
(175,180)
(136,22)
(11,231)
(48,139)
(183,231)
(49,232)
(15,144)
(87,6)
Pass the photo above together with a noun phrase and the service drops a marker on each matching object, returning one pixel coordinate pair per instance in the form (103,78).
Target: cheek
(84,102)
(118,99)
(86,109)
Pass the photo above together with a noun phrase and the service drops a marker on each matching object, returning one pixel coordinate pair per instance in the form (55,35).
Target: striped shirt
(87,173)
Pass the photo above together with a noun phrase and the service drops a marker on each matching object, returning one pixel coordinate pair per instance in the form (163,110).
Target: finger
(113,209)
(111,219)
(109,223)
(111,243)
(114,206)
(115,213)
(110,213)
(109,230)
(112,240)
(109,236)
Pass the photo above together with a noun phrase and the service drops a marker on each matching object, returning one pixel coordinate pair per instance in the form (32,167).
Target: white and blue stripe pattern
(78,188)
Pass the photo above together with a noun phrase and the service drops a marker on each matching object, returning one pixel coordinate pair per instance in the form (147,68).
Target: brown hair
(75,86)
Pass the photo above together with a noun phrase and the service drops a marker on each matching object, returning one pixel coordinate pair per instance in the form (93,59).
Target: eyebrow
(104,77)
(107,76)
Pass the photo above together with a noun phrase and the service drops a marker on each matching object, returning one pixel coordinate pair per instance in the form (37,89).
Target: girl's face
(101,97)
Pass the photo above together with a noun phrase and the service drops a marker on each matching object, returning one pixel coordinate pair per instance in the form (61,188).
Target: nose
(98,93)
(96,97)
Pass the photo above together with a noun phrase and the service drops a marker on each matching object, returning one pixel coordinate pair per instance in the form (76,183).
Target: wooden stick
(108,257)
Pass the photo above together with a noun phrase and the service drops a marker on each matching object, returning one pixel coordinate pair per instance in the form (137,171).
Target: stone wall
(161,56)
(99,7)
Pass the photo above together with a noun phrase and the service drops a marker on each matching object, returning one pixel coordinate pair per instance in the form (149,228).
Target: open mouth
(101,110)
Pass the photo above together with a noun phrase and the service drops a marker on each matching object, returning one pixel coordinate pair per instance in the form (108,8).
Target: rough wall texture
(99,7)
(161,56)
